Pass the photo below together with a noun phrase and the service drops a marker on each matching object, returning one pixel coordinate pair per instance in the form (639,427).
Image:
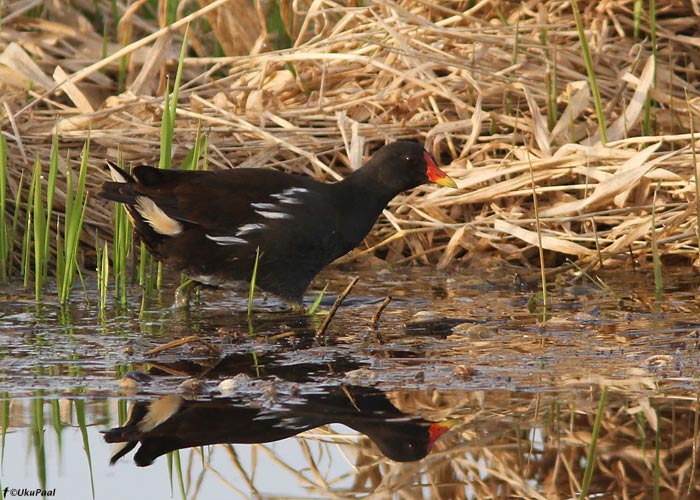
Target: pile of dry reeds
(499,91)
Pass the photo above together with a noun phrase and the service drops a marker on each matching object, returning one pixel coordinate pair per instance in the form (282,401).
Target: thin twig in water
(380,310)
(183,341)
(326,322)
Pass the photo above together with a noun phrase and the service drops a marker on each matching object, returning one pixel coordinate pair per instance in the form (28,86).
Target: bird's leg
(298,308)
(182,294)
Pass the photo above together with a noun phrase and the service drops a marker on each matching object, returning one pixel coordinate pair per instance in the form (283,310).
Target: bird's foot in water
(183,294)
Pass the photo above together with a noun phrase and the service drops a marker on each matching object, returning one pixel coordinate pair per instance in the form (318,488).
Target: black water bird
(210,224)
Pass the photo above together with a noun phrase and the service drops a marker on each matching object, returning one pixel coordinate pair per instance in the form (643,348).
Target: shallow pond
(601,397)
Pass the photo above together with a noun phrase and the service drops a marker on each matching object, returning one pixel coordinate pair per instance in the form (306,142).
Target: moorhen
(173,422)
(210,224)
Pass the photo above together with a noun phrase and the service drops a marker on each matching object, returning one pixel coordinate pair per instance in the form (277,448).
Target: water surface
(472,350)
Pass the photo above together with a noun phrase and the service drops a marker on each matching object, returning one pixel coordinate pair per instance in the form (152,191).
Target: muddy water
(350,414)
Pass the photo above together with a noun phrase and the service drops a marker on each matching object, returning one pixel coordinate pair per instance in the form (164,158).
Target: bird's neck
(362,199)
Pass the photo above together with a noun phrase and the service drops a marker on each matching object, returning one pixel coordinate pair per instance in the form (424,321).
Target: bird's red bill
(435,174)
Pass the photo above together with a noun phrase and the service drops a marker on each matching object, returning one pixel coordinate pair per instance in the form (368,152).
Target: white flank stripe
(288,196)
(290,200)
(227,240)
(274,215)
(249,228)
(161,222)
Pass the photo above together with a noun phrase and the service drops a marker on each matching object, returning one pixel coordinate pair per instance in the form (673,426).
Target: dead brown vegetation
(497,90)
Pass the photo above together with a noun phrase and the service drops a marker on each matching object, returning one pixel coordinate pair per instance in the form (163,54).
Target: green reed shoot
(40,229)
(123,42)
(37,429)
(27,239)
(175,464)
(102,274)
(317,302)
(42,217)
(253,278)
(6,243)
(123,236)
(82,425)
(657,458)
(56,422)
(180,475)
(590,457)
(647,120)
(15,223)
(696,174)
(167,130)
(4,421)
(543,273)
(191,160)
(658,278)
(76,204)
(550,80)
(637,19)
(588,61)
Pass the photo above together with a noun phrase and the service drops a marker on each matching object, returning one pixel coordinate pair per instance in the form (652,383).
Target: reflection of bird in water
(172,423)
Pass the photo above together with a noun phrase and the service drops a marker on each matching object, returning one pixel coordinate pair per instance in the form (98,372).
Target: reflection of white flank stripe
(161,222)
(227,240)
(265,206)
(249,228)
(274,215)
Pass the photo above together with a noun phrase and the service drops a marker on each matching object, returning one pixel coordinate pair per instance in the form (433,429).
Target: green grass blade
(75,215)
(253,278)
(50,192)
(590,457)
(4,421)
(6,243)
(170,101)
(39,230)
(15,218)
(80,416)
(123,238)
(317,302)
(648,105)
(658,278)
(166,132)
(588,61)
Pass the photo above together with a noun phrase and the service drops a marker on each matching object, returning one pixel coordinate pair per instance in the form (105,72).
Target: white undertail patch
(116,174)
(161,222)
(159,411)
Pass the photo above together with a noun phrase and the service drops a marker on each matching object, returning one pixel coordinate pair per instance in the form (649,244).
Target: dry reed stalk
(471,82)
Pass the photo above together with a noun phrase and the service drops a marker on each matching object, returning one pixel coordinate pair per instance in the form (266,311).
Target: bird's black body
(210,224)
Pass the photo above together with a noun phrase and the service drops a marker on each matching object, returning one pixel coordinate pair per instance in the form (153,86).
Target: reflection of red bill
(439,428)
